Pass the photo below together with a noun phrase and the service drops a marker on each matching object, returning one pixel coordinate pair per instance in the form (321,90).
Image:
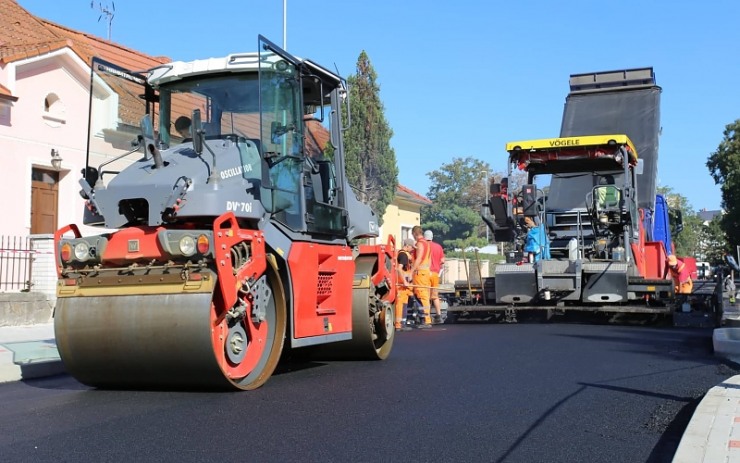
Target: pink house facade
(44,106)
(44,101)
(48,116)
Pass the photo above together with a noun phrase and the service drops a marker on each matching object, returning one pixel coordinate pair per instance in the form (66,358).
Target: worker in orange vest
(422,275)
(682,283)
(403,290)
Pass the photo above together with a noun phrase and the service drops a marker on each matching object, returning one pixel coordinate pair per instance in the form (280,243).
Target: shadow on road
(541,420)
(670,437)
(666,447)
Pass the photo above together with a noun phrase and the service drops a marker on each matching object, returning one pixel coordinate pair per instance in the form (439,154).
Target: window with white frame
(54,110)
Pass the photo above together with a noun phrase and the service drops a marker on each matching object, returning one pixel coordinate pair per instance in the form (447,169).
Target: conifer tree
(370,159)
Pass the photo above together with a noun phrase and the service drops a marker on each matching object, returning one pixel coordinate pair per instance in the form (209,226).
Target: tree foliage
(724,166)
(705,242)
(370,159)
(713,241)
(676,200)
(687,241)
(458,190)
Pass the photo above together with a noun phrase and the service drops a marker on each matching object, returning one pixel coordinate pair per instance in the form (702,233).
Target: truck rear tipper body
(593,189)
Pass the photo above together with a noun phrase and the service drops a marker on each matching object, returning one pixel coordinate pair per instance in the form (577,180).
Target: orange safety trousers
(422,281)
(434,292)
(403,293)
(683,288)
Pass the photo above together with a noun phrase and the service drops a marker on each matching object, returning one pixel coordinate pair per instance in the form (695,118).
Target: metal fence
(16,263)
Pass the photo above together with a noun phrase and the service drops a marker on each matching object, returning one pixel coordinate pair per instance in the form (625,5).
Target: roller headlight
(82,251)
(187,245)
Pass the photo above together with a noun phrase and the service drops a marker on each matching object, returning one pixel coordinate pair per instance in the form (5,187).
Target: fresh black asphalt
(455,393)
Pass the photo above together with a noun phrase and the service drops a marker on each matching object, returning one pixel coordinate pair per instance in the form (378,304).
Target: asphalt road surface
(457,393)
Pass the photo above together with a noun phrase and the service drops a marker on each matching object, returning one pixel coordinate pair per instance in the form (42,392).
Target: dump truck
(222,244)
(592,193)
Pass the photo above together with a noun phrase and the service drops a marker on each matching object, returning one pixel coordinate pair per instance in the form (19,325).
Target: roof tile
(19,27)
(411,194)
(23,35)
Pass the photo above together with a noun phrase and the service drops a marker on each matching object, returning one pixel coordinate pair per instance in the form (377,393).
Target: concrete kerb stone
(711,435)
(13,372)
(726,343)
(28,351)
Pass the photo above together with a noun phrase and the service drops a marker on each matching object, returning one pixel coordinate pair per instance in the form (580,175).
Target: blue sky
(462,78)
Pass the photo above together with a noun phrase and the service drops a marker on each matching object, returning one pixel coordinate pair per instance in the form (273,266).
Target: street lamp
(484,212)
(56,160)
(485,197)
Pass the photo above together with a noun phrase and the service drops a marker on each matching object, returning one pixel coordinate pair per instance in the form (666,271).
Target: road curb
(31,370)
(726,343)
(713,433)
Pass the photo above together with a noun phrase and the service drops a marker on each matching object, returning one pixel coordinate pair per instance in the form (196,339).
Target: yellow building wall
(400,216)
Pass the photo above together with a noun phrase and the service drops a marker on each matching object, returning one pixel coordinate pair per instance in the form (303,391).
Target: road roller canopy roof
(572,154)
(236,62)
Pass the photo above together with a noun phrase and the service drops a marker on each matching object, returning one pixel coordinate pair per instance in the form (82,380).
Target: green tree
(713,241)
(370,159)
(724,166)
(458,190)
(688,240)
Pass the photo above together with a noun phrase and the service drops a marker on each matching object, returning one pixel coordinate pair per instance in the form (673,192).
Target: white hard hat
(428,235)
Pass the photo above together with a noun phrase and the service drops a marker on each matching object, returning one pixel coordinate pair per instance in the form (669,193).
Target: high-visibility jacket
(403,292)
(607,196)
(681,278)
(404,259)
(426,253)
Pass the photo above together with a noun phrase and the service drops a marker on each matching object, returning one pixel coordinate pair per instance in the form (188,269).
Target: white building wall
(43,274)
(459,269)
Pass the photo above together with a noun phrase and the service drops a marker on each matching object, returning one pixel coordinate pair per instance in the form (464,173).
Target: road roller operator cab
(228,227)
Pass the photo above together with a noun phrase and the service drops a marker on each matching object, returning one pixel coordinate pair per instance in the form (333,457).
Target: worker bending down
(682,283)
(403,290)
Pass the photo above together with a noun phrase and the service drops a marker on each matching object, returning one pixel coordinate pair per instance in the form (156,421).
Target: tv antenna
(108,12)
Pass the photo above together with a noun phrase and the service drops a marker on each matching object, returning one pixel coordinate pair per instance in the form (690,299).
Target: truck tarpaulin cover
(634,112)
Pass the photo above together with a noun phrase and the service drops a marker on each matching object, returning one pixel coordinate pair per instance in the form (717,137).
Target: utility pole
(285,25)
(485,198)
